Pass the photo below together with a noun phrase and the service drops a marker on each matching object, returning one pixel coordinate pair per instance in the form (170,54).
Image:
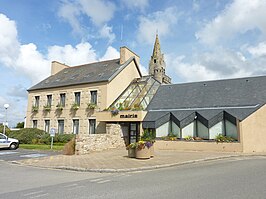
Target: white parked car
(6,142)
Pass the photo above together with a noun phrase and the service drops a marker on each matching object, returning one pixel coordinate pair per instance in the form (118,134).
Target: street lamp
(6,107)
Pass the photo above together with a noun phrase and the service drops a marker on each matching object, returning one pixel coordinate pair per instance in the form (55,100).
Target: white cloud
(238,17)
(259,50)
(80,54)
(18,91)
(70,11)
(189,71)
(9,44)
(99,11)
(106,32)
(111,53)
(210,66)
(32,63)
(163,21)
(143,70)
(136,4)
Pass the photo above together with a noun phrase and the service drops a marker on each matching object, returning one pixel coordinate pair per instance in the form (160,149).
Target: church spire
(157,64)
(157,47)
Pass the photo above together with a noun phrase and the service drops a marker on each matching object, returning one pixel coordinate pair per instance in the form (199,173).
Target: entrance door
(133,132)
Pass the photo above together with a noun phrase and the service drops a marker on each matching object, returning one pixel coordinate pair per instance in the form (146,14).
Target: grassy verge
(56,147)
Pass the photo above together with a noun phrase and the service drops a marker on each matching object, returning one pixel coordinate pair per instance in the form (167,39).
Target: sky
(200,39)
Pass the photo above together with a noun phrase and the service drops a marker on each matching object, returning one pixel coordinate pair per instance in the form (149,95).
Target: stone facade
(99,142)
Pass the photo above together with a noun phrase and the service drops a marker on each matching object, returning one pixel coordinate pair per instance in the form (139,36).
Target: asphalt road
(229,178)
(13,155)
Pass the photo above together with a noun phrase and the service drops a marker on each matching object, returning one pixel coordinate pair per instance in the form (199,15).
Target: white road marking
(104,181)
(96,180)
(80,186)
(38,196)
(7,152)
(32,193)
(71,185)
(35,155)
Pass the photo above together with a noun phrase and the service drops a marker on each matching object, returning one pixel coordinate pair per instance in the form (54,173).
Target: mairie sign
(129,116)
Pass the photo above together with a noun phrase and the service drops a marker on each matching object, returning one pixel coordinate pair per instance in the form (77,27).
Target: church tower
(157,64)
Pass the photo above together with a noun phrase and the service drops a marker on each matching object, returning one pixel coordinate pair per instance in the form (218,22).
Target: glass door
(133,132)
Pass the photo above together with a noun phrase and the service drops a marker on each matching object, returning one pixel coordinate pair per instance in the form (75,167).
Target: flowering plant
(115,112)
(142,144)
(91,105)
(75,106)
(132,145)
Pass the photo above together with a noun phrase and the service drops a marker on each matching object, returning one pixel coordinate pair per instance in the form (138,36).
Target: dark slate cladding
(210,101)
(162,120)
(219,93)
(152,120)
(187,120)
(217,118)
(241,113)
(229,117)
(88,73)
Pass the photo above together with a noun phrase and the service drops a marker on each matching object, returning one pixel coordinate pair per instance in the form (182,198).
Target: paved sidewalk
(116,160)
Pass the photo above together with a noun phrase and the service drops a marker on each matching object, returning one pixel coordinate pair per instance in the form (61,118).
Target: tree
(20,125)
(2,129)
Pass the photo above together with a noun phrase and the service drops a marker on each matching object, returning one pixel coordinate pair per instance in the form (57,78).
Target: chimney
(126,53)
(57,67)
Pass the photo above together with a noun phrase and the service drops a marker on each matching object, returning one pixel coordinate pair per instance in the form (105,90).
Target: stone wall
(99,142)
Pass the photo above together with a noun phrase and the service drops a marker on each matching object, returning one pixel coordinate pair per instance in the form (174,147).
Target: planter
(131,153)
(143,153)
(152,151)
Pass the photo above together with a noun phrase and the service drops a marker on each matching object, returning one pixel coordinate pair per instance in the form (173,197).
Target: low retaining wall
(198,146)
(99,142)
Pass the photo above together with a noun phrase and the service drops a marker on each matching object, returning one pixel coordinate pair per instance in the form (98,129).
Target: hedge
(37,136)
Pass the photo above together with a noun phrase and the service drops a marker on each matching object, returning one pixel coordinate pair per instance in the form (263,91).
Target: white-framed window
(49,100)
(34,123)
(37,101)
(75,126)
(77,98)
(62,99)
(61,126)
(92,126)
(93,96)
(47,126)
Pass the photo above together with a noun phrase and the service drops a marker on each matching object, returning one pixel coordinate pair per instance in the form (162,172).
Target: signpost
(52,134)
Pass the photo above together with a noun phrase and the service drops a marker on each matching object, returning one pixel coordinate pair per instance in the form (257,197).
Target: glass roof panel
(138,94)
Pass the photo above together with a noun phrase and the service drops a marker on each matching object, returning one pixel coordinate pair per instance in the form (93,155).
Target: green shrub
(63,138)
(28,135)
(37,136)
(223,138)
(148,135)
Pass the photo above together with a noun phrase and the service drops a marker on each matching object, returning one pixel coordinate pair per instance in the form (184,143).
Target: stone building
(108,104)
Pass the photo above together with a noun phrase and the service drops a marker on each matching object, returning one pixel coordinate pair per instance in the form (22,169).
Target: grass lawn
(56,147)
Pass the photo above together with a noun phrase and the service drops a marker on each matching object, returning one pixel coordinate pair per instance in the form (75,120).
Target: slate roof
(209,100)
(83,74)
